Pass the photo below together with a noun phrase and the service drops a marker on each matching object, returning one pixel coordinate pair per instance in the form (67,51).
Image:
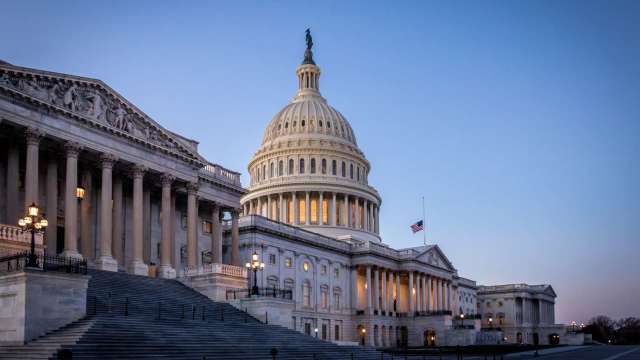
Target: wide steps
(124,323)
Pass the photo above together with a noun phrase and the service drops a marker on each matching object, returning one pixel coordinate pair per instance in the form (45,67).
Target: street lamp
(462,320)
(34,223)
(316,331)
(491,322)
(254,266)
(573,326)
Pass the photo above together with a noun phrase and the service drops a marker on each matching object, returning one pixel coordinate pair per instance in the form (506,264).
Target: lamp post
(462,320)
(254,266)
(35,223)
(491,322)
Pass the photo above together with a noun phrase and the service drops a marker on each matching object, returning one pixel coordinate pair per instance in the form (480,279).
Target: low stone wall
(34,302)
(267,309)
(214,280)
(460,337)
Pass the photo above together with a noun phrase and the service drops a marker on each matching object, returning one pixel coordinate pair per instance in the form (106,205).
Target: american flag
(417,227)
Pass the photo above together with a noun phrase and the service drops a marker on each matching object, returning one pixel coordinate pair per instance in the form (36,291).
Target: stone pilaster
(86,219)
(192,214)
(136,264)
(166,270)
(216,234)
(368,290)
(71,202)
(235,239)
(51,235)
(105,260)
(117,222)
(332,210)
(410,288)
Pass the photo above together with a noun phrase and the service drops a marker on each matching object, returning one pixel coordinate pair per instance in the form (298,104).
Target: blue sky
(518,121)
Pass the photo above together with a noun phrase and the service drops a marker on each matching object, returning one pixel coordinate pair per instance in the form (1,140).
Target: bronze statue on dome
(308,54)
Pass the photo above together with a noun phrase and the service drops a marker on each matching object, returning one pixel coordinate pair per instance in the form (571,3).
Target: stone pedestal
(213,280)
(73,254)
(34,302)
(106,263)
(166,272)
(267,309)
(137,267)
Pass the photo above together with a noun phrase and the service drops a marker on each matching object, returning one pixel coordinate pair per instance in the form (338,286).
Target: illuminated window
(324,296)
(314,211)
(325,211)
(207,227)
(302,213)
(306,266)
(339,211)
(306,293)
(323,270)
(288,262)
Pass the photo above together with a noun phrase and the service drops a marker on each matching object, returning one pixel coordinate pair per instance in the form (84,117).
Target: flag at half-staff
(418,226)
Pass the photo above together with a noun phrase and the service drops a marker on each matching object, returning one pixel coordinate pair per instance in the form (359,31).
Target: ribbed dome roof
(307,116)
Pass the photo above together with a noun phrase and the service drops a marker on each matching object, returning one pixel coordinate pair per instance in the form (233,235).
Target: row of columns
(111,207)
(425,292)
(364,217)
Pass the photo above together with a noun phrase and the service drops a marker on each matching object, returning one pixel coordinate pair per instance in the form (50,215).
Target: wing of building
(108,176)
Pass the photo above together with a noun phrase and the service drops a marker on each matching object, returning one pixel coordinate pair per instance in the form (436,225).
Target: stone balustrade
(13,239)
(215,268)
(222,174)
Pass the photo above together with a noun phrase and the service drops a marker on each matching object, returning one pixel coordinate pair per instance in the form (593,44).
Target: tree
(628,331)
(602,328)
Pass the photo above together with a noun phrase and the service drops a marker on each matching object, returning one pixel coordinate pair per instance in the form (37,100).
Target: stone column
(377,219)
(32,136)
(146,224)
(192,214)
(12,178)
(354,288)
(425,292)
(347,211)
(117,235)
(376,290)
(356,206)
(52,205)
(259,212)
(166,270)
(86,219)
(216,234)
(372,220)
(397,292)
(385,298)
(410,291)
(320,208)
(105,260)
(365,215)
(251,208)
(418,292)
(235,239)
(71,202)
(281,211)
(296,208)
(269,208)
(136,264)
(332,213)
(307,207)
(368,290)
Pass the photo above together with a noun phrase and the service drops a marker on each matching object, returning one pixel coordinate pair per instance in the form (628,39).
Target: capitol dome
(309,171)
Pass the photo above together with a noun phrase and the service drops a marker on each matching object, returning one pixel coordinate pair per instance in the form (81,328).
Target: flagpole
(424,224)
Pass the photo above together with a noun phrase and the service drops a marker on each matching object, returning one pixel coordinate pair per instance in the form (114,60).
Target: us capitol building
(126,194)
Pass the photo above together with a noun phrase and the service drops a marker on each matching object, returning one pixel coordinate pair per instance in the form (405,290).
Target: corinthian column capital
(33,135)
(167,179)
(108,160)
(72,148)
(137,171)
(192,188)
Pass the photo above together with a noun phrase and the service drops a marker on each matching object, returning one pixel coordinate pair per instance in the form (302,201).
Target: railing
(13,239)
(220,173)
(18,262)
(262,292)
(217,268)
(433,313)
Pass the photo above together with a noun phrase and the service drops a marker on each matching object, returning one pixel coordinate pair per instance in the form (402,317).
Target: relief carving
(88,101)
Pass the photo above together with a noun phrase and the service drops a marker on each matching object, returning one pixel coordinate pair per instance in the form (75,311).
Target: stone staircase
(136,317)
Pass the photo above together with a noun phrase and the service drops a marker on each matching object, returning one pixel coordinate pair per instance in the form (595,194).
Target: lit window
(325,211)
(207,227)
(306,293)
(288,263)
(272,259)
(306,266)
(314,211)
(324,297)
(290,210)
(302,213)
(323,270)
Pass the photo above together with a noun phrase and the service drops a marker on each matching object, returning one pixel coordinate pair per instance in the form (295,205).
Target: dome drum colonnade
(309,171)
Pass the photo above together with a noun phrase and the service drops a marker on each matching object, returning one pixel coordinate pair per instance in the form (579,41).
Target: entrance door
(307,329)
(429,338)
(536,339)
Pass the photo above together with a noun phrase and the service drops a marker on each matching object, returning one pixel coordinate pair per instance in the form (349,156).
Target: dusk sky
(518,121)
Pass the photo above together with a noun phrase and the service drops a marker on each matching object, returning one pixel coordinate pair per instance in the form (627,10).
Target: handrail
(18,262)
(261,292)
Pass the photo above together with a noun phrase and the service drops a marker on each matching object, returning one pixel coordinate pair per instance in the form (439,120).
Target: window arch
(264,172)
(334,168)
(301,167)
(336,297)
(313,166)
(320,123)
(344,169)
(280,168)
(351,171)
(329,124)
(302,123)
(324,296)
(290,169)
(272,282)
(324,166)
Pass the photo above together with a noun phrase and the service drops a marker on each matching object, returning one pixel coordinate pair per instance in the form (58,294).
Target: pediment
(435,257)
(93,101)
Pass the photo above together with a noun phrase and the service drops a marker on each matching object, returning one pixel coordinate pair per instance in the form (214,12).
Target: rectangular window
(336,300)
(207,227)
(324,331)
(307,328)
(288,263)
(336,272)
(325,211)
(314,211)
(302,211)
(323,270)
(336,332)
(324,299)
(272,259)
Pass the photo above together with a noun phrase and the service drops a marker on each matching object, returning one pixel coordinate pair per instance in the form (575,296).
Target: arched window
(334,168)
(313,166)
(351,171)
(271,167)
(301,168)
(358,173)
(320,123)
(329,124)
(280,168)
(302,123)
(324,166)
(306,293)
(336,298)
(290,170)
(344,169)
(286,125)
(324,296)
(264,172)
